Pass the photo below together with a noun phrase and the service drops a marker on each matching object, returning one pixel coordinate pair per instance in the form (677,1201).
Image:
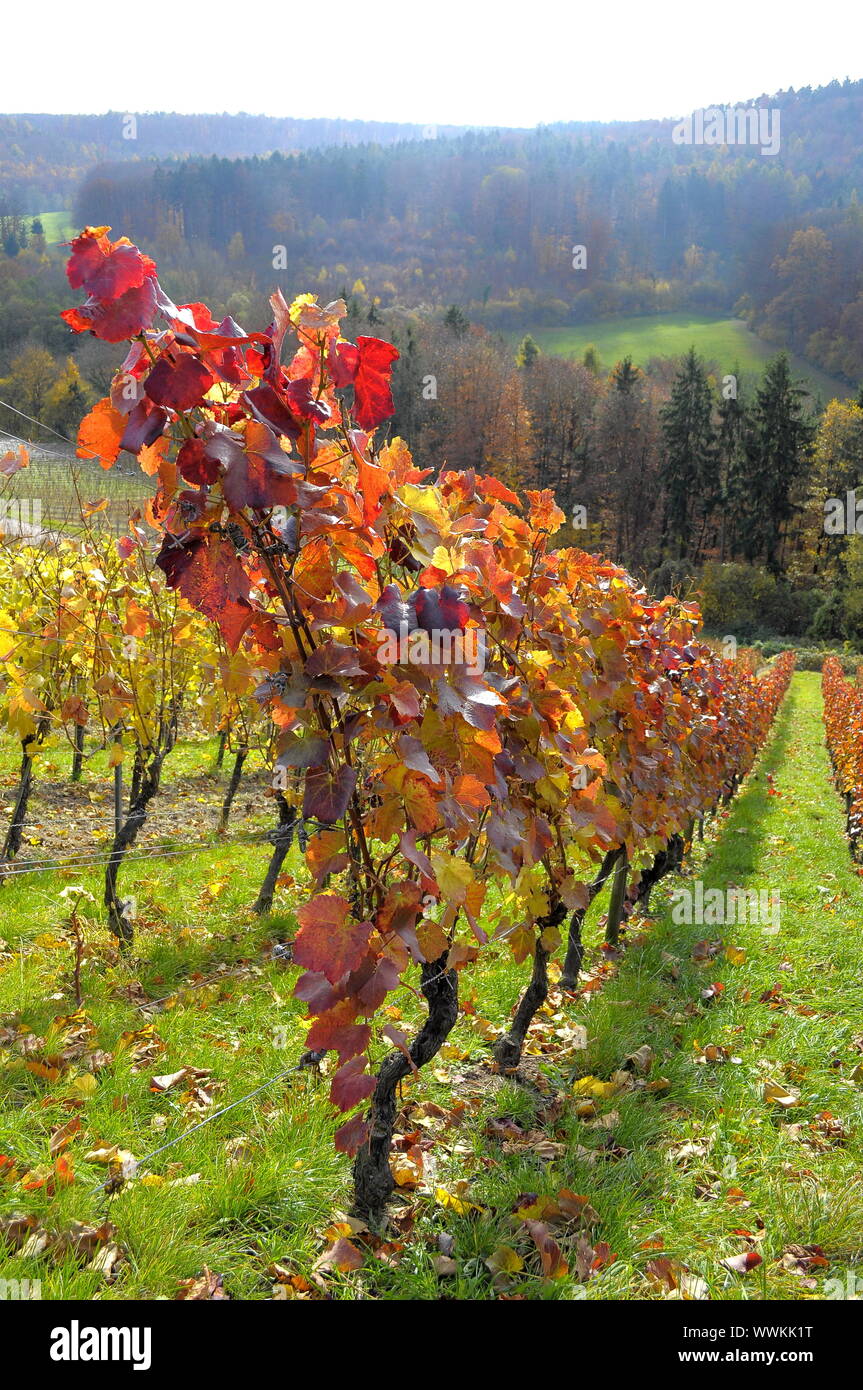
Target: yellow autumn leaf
(405,1171)
(7,641)
(505,1260)
(442,560)
(85,1084)
(452,1202)
(549,792)
(425,500)
(454,876)
(592,1086)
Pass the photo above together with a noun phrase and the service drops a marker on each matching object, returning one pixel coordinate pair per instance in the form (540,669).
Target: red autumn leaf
(196,464)
(104,268)
(343,361)
(351,1084)
(414,756)
(304,752)
(490,486)
(384,978)
(316,990)
(211,578)
(326,794)
(374,484)
(408,846)
(373,401)
(115,319)
(269,407)
(63,1169)
(335,659)
(301,400)
(178,385)
(404,699)
(144,425)
(351,1136)
(742,1264)
(440,610)
(329,939)
(335,1031)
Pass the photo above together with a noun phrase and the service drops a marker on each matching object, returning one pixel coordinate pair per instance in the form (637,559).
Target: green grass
(58,226)
(723,340)
(751,1168)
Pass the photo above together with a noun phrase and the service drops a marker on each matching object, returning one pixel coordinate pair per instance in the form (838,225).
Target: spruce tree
(732,433)
(689,469)
(780,447)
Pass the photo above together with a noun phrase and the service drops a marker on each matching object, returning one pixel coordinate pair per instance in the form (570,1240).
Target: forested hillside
(43,155)
(491,220)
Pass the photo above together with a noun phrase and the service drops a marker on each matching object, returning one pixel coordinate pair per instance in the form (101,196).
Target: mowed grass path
(681,1176)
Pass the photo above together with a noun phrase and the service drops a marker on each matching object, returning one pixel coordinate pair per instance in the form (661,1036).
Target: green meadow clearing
(58,226)
(726,341)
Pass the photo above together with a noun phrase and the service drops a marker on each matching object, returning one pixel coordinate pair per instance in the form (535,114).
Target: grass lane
(673,1174)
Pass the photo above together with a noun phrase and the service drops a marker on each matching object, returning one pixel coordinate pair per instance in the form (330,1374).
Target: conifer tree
(780,447)
(689,469)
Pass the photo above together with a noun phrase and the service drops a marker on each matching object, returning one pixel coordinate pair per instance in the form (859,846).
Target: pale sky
(466,62)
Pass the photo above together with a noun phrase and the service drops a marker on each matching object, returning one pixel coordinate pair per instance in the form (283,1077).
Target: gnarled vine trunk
(373,1180)
(575,945)
(281,839)
(665,862)
(617,901)
(15,832)
(233,786)
(510,1045)
(77,753)
(149,778)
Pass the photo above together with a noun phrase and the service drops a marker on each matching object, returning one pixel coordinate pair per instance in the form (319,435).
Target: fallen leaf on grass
(505,1260)
(590,1259)
(801,1259)
(171,1079)
(704,951)
(84,1085)
(675,1280)
(554,1266)
(204,1287)
(63,1135)
(743,1264)
(114,1156)
(407,1169)
(455,1199)
(640,1060)
(777,1094)
(599,1090)
(289,1285)
(342,1255)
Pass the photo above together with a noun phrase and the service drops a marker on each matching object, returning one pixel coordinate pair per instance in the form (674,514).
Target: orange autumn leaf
(100,433)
